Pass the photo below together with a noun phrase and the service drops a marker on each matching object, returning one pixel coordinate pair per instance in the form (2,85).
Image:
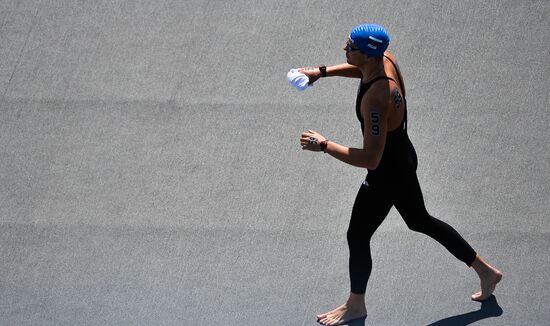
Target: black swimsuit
(393,183)
(399,156)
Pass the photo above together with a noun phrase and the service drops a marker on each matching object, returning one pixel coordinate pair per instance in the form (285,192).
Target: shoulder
(380,92)
(391,57)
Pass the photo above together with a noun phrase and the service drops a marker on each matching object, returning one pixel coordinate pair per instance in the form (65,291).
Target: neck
(371,69)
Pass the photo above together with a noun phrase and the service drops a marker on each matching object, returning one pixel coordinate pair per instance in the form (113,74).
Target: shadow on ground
(357,322)
(489,308)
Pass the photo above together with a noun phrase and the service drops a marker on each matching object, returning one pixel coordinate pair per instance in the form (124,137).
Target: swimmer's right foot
(488,285)
(489,278)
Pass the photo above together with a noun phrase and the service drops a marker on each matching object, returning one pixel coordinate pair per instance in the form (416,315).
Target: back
(397,91)
(399,156)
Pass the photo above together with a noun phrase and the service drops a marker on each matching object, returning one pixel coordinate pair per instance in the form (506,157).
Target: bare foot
(342,314)
(489,277)
(488,284)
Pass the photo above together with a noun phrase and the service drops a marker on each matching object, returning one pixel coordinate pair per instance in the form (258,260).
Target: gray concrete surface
(150,172)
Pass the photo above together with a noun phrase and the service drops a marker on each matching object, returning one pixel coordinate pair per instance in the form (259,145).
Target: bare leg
(489,277)
(354,308)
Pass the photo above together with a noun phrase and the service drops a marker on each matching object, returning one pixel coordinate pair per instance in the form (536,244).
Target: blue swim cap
(370,39)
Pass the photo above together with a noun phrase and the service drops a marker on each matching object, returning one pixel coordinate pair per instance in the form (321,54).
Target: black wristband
(323,145)
(323,70)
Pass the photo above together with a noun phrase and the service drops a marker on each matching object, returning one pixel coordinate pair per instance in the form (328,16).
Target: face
(351,50)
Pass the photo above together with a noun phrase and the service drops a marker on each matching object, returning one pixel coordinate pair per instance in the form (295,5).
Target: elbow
(371,163)
(370,166)
(364,159)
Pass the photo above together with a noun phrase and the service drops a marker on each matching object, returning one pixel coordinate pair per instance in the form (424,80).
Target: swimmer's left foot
(342,315)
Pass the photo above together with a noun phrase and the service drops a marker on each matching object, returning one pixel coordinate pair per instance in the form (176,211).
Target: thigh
(408,199)
(371,207)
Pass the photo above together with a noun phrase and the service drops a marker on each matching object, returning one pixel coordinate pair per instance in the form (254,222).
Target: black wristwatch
(323,70)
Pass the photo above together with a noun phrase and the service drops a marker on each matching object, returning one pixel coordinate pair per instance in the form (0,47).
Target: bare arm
(359,157)
(340,70)
(344,70)
(374,115)
(374,111)
(367,158)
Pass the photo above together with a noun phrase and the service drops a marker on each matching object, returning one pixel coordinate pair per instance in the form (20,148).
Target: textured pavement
(151,174)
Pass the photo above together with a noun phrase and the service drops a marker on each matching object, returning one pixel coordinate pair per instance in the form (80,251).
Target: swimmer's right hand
(313,73)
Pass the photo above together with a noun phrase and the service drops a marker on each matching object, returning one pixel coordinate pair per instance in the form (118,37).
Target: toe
(479,297)
(336,322)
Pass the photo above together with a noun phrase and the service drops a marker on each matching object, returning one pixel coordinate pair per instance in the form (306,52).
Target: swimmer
(391,161)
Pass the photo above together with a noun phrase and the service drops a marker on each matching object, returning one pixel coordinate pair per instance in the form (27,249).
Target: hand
(313,73)
(311,141)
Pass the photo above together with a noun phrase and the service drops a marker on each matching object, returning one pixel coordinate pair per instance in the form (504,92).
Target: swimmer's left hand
(311,140)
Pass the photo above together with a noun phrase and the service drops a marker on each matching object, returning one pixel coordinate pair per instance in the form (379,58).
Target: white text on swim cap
(373,39)
(376,40)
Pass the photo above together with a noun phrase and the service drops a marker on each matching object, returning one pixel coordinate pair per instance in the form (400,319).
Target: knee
(352,236)
(422,223)
(357,239)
